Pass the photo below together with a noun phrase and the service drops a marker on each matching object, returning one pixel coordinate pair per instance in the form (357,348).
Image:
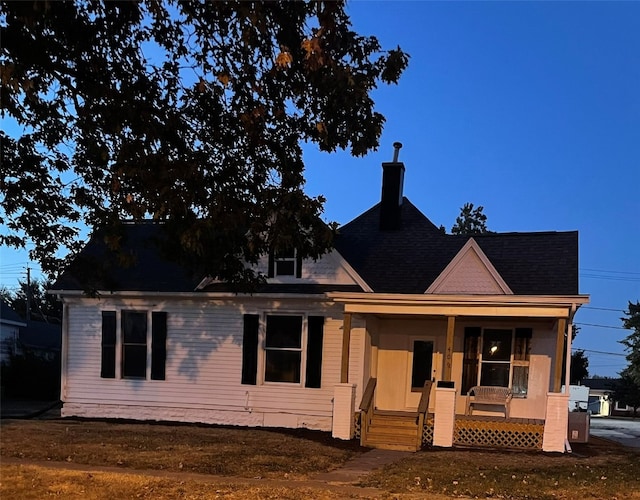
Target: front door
(404,363)
(420,369)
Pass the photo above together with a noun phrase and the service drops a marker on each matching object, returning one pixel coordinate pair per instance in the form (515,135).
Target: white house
(349,343)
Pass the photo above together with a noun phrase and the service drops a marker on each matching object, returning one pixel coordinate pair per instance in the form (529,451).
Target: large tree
(627,389)
(191,113)
(632,342)
(42,306)
(470,221)
(579,367)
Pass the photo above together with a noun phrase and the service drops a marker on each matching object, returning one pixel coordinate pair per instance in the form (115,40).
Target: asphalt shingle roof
(409,259)
(406,260)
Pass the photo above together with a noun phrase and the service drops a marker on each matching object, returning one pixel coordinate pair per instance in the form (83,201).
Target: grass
(599,469)
(285,459)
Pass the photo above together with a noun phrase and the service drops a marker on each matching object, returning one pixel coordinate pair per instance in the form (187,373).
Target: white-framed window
(282,348)
(285,264)
(621,406)
(497,357)
(133,344)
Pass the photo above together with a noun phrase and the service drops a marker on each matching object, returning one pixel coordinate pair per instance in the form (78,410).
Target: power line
(610,278)
(599,352)
(603,326)
(603,309)
(603,271)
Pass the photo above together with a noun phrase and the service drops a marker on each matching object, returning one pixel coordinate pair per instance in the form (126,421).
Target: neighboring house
(600,400)
(10,324)
(396,304)
(41,339)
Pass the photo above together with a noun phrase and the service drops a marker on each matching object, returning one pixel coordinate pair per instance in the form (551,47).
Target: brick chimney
(391,202)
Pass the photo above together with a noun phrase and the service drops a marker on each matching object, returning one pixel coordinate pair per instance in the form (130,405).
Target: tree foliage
(470,221)
(632,342)
(627,389)
(191,113)
(43,306)
(579,367)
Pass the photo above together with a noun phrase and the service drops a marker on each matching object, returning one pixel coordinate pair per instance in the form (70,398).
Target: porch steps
(393,431)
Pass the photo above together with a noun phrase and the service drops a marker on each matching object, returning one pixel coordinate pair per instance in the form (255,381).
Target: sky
(530,109)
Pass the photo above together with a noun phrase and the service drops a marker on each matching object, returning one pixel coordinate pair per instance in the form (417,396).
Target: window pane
(522,346)
(422,357)
(286,254)
(134,327)
(285,267)
(520,380)
(134,361)
(284,332)
(496,345)
(496,374)
(283,366)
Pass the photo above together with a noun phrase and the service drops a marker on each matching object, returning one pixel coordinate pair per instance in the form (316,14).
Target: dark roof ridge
(405,201)
(512,233)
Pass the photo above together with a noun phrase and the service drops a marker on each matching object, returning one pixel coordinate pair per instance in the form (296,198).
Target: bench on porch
(489,395)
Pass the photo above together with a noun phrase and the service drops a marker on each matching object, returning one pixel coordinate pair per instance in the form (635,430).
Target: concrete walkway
(352,471)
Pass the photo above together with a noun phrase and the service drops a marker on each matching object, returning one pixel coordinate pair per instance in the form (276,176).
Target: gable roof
(410,259)
(470,272)
(405,260)
(96,267)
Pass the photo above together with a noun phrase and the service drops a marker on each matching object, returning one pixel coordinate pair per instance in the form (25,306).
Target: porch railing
(423,407)
(366,408)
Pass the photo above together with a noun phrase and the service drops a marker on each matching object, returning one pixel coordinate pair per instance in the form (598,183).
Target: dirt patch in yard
(204,449)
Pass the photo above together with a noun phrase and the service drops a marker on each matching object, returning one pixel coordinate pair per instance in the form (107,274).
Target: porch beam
(457,310)
(346,342)
(557,375)
(448,360)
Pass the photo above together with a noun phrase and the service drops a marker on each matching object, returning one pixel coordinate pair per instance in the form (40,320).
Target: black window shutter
(314,351)
(108,364)
(298,265)
(158,345)
(250,349)
(270,272)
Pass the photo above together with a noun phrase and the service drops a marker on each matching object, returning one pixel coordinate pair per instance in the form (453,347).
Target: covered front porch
(421,354)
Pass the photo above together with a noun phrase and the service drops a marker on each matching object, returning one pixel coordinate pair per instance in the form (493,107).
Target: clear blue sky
(531,109)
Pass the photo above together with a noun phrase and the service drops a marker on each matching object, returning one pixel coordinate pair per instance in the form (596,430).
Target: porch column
(346,341)
(445,417)
(344,407)
(556,422)
(448,356)
(557,374)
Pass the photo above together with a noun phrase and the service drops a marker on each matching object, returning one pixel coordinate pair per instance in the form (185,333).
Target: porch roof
(538,306)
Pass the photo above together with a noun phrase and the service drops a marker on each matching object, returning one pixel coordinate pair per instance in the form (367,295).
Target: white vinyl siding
(203,362)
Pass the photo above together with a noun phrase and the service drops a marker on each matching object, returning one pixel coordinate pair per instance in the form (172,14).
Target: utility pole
(28,293)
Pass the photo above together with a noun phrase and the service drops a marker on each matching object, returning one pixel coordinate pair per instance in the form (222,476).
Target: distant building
(10,324)
(600,400)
